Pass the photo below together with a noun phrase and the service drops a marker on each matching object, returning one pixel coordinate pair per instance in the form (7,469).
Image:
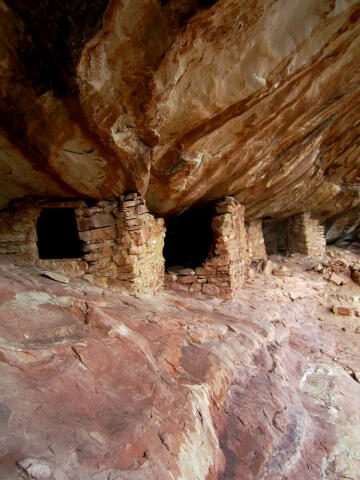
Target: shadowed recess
(57,234)
(188,238)
(56,32)
(275,236)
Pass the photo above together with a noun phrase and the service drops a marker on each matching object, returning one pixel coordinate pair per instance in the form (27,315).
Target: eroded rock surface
(101,385)
(183,101)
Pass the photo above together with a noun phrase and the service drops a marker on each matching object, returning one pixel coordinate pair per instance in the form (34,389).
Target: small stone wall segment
(97,229)
(305,235)
(18,235)
(227,265)
(256,242)
(139,247)
(123,245)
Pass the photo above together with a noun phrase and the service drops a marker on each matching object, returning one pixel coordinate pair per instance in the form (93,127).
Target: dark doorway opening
(189,238)
(275,236)
(57,234)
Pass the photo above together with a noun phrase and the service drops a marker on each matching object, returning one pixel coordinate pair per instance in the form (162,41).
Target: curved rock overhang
(184,102)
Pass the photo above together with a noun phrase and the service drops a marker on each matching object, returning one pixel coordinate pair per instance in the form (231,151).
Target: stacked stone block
(226,267)
(123,245)
(140,242)
(256,242)
(305,235)
(122,242)
(18,236)
(97,230)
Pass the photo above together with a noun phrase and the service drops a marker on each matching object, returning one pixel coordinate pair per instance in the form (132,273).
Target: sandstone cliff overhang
(183,102)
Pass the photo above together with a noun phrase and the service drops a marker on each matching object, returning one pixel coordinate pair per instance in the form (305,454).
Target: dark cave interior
(57,234)
(188,238)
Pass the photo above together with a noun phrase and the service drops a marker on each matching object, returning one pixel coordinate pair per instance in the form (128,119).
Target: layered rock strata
(185,102)
(226,268)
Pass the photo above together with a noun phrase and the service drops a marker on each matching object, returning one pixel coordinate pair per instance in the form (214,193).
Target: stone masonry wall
(305,235)
(123,245)
(122,242)
(227,265)
(256,243)
(18,235)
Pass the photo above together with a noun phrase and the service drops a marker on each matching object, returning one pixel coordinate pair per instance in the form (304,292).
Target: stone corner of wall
(226,268)
(305,235)
(124,244)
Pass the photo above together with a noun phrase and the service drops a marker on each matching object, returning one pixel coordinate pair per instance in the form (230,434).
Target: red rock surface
(185,102)
(105,386)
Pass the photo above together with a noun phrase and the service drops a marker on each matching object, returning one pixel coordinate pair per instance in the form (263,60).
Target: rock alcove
(119,119)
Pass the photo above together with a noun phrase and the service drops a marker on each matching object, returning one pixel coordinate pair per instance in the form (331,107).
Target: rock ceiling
(183,100)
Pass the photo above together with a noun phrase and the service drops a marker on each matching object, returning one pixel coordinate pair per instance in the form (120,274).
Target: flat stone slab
(58,277)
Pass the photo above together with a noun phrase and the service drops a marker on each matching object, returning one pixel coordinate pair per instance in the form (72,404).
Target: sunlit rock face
(183,101)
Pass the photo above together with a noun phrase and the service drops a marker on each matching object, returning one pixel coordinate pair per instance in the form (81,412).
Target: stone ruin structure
(121,247)
(257,250)
(227,264)
(300,234)
(119,244)
(305,235)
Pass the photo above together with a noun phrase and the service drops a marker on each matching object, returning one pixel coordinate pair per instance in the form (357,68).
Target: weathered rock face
(104,386)
(184,102)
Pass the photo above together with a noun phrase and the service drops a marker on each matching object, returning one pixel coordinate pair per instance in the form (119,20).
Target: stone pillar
(123,245)
(227,265)
(305,235)
(139,247)
(97,230)
(257,249)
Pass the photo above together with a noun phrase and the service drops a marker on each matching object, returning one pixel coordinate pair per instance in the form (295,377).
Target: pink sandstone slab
(101,385)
